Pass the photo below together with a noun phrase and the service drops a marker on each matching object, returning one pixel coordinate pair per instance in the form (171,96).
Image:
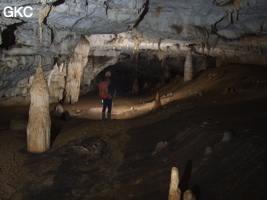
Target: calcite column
(39,125)
(188,67)
(75,70)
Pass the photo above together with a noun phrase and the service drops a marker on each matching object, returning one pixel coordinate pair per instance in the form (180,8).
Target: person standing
(106,92)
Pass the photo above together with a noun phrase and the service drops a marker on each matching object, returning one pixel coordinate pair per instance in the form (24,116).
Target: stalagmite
(188,67)
(189,195)
(135,87)
(157,103)
(38,129)
(174,191)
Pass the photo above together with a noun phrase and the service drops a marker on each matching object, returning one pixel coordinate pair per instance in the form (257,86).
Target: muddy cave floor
(91,159)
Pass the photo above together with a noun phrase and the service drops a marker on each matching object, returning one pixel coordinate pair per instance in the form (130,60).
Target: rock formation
(174,191)
(84,37)
(39,124)
(188,67)
(189,195)
(75,70)
(157,102)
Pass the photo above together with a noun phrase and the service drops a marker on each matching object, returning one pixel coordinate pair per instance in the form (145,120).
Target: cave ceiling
(233,30)
(195,22)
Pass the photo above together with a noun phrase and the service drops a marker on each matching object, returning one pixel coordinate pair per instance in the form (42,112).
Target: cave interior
(190,93)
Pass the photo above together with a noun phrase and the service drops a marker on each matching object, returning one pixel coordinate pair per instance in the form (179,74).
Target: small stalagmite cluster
(38,129)
(174,191)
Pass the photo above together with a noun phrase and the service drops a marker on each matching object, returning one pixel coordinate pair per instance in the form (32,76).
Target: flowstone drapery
(75,70)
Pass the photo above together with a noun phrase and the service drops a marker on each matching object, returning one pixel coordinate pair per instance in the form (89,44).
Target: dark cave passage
(141,74)
(8,36)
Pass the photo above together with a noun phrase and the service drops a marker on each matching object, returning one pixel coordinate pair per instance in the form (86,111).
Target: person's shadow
(184,182)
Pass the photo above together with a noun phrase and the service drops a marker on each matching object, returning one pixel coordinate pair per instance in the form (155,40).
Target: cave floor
(132,156)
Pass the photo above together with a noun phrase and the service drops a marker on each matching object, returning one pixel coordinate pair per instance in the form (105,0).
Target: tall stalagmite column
(188,67)
(38,129)
(174,191)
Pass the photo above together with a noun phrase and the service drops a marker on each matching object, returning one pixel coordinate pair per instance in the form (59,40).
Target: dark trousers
(107,103)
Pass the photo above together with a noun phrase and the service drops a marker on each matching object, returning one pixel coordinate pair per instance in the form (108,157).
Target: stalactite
(229,13)
(42,15)
(56,82)
(261,51)
(43,1)
(188,67)
(232,8)
(136,47)
(137,41)
(38,129)
(50,75)
(202,48)
(163,62)
(236,12)
(159,43)
(232,14)
(174,191)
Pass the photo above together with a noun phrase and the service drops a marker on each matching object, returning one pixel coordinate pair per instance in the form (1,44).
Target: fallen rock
(95,148)
(229,90)
(228,135)
(161,145)
(189,195)
(58,109)
(209,150)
